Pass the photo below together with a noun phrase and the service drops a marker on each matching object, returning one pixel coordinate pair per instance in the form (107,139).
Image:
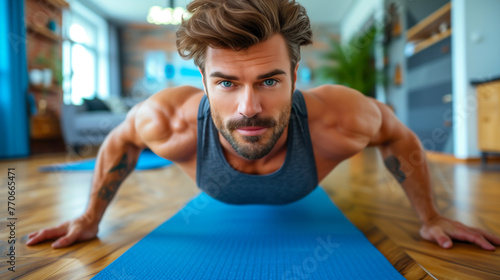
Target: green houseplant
(352,64)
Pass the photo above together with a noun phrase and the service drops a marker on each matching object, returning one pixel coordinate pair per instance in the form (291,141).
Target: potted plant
(352,64)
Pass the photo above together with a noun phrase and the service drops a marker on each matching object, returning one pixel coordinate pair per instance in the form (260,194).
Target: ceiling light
(169,15)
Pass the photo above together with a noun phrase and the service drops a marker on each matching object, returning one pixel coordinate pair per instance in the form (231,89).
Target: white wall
(476,56)
(357,15)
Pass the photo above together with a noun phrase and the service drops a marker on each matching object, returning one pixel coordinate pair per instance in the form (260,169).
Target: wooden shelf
(61,4)
(430,24)
(44,50)
(52,89)
(431,41)
(45,32)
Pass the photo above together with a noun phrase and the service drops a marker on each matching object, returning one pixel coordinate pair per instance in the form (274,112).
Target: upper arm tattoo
(394,165)
(122,169)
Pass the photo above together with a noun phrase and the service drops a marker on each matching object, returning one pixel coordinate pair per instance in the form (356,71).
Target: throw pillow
(95,104)
(116,105)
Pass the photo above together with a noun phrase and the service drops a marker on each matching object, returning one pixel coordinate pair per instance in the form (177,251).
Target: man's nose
(249,105)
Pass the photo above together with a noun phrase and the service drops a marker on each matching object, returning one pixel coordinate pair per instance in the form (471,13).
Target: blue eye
(270,82)
(226,83)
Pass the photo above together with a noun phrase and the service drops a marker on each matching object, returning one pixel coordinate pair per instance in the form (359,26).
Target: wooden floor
(361,188)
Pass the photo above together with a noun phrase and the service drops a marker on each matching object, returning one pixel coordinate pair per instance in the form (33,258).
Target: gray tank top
(293,181)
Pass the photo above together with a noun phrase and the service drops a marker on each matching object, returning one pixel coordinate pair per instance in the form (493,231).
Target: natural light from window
(83,82)
(85,56)
(78,34)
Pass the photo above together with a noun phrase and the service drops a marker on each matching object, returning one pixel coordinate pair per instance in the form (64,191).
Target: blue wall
(14,127)
(429,84)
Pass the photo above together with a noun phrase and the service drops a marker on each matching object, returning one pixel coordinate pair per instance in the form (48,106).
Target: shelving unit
(61,4)
(431,41)
(53,89)
(434,87)
(45,32)
(44,51)
(426,71)
(426,33)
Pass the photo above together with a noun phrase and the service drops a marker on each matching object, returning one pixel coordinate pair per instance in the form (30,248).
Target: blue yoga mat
(207,239)
(147,160)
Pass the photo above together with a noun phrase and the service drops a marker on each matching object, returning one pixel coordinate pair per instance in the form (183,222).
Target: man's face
(250,94)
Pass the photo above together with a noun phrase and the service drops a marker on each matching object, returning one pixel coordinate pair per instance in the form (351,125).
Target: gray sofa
(81,127)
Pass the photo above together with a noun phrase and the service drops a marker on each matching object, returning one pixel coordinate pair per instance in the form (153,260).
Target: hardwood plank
(464,192)
(360,187)
(37,268)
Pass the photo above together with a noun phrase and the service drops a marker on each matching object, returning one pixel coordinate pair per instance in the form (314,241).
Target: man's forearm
(407,162)
(115,161)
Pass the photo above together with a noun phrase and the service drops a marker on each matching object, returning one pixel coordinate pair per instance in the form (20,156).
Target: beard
(253,147)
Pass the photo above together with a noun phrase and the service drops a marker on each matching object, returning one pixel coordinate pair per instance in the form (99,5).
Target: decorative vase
(36,77)
(47,77)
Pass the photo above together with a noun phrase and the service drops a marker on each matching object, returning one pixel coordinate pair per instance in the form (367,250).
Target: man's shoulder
(171,102)
(337,94)
(177,97)
(338,102)
(168,114)
(341,113)
(329,104)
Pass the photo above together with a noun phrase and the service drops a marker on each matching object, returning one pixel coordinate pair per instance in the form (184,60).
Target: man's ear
(203,80)
(295,76)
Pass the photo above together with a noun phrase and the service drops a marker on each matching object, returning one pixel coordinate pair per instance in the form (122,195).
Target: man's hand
(442,230)
(79,229)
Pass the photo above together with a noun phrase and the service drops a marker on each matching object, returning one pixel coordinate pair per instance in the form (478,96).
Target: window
(85,55)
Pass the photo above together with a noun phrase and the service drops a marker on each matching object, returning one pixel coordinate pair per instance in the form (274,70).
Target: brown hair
(240,24)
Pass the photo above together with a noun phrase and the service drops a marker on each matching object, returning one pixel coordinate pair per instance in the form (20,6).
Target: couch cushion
(95,104)
(116,105)
(97,122)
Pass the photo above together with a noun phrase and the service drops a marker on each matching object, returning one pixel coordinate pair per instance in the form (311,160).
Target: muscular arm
(355,121)
(405,158)
(116,159)
(161,123)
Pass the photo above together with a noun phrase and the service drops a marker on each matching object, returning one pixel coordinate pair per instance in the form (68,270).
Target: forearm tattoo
(394,165)
(122,169)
